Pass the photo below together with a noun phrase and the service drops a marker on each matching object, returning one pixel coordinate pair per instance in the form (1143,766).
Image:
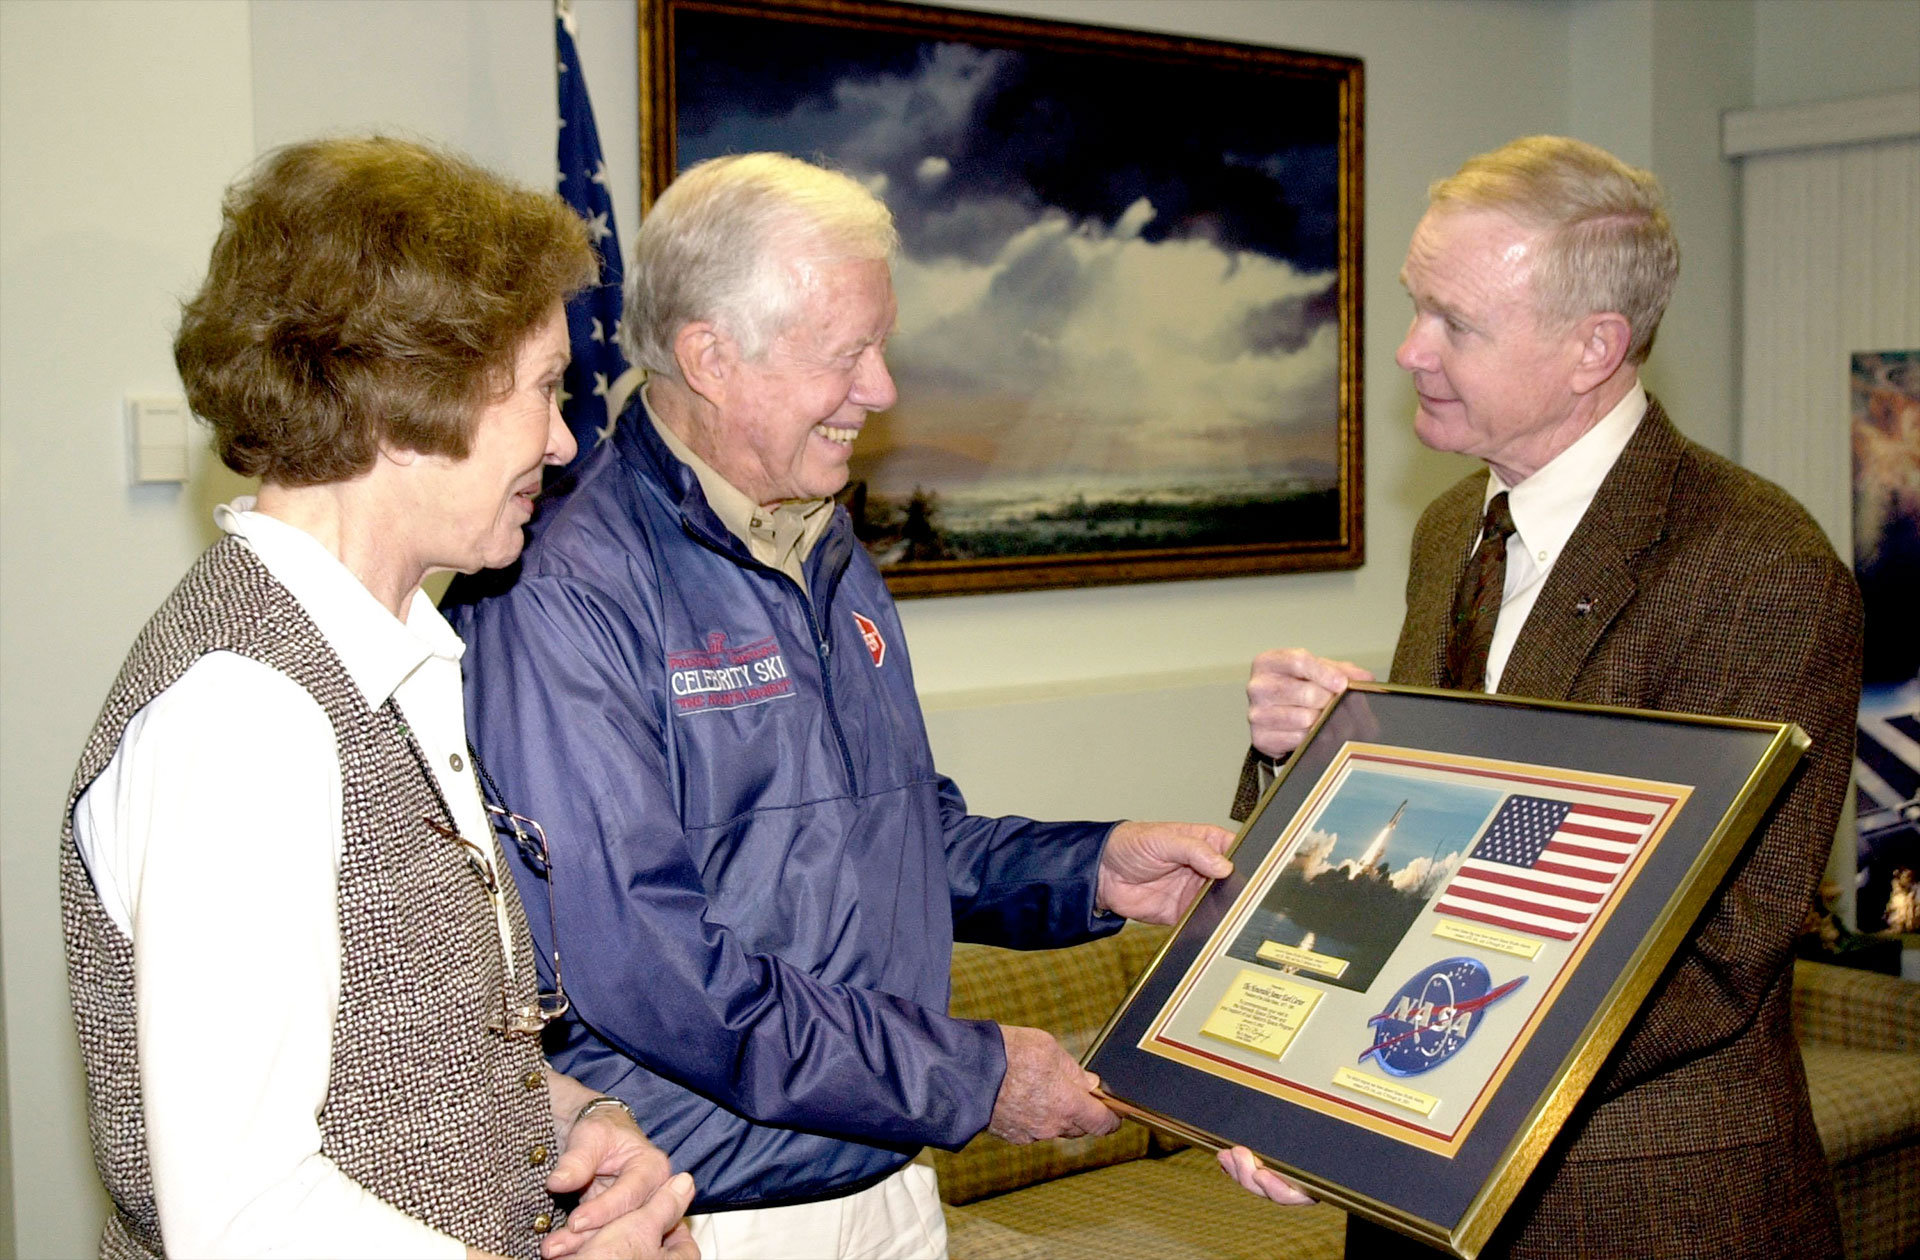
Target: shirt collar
(734,509)
(774,530)
(378,650)
(1548,505)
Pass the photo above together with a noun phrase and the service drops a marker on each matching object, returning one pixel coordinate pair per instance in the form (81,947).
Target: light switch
(159,425)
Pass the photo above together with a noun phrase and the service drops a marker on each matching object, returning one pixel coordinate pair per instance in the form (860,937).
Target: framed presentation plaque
(1441,918)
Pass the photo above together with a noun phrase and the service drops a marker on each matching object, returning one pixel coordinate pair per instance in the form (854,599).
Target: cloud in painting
(889,117)
(1084,284)
(1167,349)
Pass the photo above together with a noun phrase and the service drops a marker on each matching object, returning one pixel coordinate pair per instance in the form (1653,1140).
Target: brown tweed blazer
(1690,586)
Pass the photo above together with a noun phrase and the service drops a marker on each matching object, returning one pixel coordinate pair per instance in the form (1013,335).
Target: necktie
(1477,605)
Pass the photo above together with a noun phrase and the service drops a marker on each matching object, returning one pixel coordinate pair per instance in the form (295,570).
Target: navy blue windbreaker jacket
(758,873)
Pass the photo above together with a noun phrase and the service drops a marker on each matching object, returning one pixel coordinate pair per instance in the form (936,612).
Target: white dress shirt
(214,841)
(1546,508)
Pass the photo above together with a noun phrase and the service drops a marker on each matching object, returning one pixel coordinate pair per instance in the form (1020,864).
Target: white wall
(118,126)
(1823,50)
(476,74)
(1702,56)
(1649,81)
(120,123)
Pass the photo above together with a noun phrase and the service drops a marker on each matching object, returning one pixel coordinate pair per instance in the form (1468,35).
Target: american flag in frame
(1545,865)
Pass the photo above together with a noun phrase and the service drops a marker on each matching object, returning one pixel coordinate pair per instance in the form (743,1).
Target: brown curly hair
(368,292)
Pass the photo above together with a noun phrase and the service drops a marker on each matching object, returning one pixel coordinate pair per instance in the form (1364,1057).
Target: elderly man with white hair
(1601,557)
(700,685)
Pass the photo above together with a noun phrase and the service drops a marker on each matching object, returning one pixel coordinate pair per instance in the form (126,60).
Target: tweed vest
(426,1108)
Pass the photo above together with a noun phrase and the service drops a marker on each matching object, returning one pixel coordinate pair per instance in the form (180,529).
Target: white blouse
(213,839)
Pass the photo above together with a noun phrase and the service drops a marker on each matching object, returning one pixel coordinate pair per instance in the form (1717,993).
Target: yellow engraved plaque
(1487,938)
(1385,1090)
(1261,1011)
(1304,959)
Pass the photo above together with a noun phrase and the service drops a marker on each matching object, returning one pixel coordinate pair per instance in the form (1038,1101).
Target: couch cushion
(1070,993)
(1850,1007)
(1178,1208)
(971,1236)
(1879,1205)
(1863,1100)
(1138,944)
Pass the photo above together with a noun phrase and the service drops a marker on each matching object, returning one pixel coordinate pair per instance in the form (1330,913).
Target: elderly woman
(303,984)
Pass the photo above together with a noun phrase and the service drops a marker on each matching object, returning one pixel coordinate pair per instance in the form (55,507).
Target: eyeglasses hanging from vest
(526,1019)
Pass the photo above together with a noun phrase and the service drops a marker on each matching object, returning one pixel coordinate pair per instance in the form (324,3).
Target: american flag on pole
(598,381)
(1545,866)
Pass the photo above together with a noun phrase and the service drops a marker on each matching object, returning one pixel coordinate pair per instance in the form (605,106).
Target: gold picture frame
(1443,915)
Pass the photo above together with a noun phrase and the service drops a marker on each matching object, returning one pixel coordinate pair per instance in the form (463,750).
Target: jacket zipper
(824,650)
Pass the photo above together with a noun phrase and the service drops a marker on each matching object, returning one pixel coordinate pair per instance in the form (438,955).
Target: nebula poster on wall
(1886,559)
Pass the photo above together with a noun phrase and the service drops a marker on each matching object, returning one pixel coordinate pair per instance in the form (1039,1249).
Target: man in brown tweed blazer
(1644,571)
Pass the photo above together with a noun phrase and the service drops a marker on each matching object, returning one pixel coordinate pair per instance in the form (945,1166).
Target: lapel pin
(1584,607)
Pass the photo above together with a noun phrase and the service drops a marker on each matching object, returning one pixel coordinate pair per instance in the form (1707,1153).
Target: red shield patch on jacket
(870,634)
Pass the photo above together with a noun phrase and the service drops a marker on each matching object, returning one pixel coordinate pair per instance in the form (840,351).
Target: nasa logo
(870,635)
(1433,1015)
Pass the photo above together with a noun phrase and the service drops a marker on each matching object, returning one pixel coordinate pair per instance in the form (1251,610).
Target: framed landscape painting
(1128,345)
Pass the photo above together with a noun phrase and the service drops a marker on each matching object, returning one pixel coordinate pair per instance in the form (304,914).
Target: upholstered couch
(1135,1194)
(1860,1039)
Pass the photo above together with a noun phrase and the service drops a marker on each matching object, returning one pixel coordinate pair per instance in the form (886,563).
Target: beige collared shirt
(779,535)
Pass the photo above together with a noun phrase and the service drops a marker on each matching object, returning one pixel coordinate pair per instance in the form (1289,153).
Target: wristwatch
(604,1100)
